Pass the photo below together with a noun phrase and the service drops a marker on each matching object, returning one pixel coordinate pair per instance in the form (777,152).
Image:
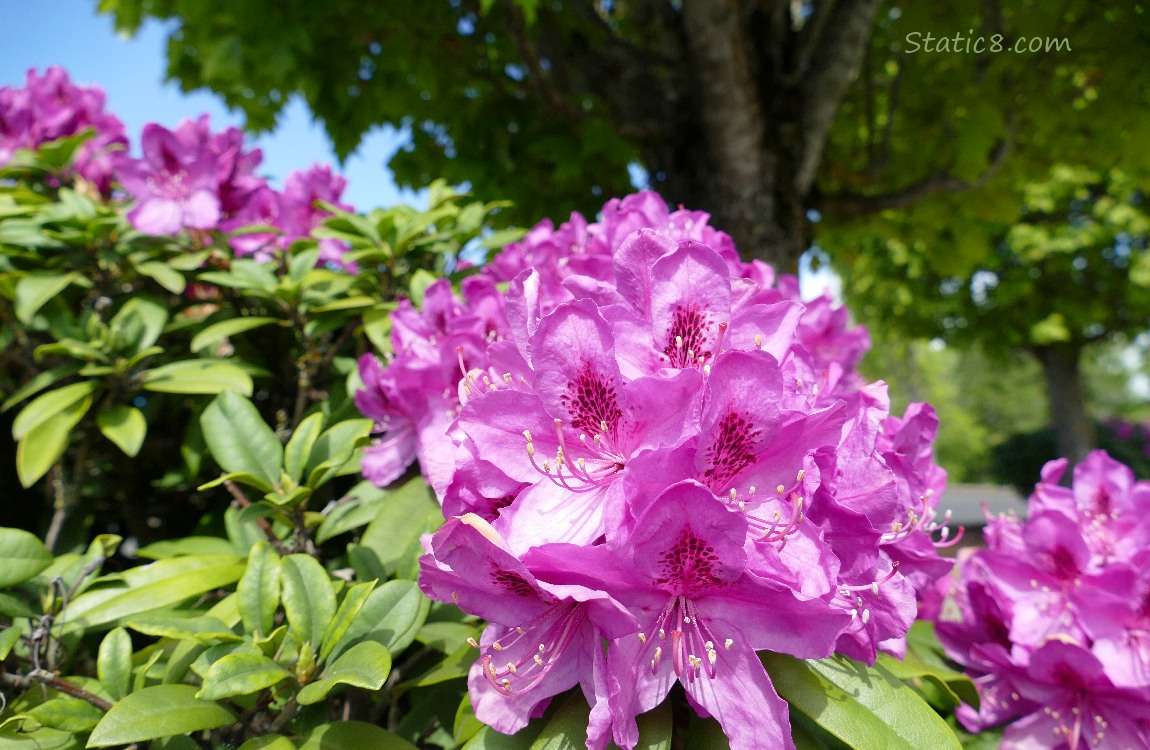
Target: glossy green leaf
(259,589)
(299,445)
(203,376)
(334,448)
(268,742)
(17,738)
(239,439)
(40,449)
(200,628)
(34,290)
(453,666)
(22,556)
(9,637)
(345,617)
(409,512)
(217,332)
(365,665)
(150,587)
(352,734)
(51,404)
(125,426)
(489,739)
(165,275)
(186,545)
(241,674)
(39,383)
(66,713)
(158,711)
(355,509)
(567,728)
(137,325)
(308,600)
(391,616)
(864,707)
(114,662)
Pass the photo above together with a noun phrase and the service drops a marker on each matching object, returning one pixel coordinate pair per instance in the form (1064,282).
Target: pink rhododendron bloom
(673,457)
(189,177)
(1053,620)
(50,107)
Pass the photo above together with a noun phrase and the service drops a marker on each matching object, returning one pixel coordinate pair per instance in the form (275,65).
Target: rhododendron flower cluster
(1053,617)
(50,107)
(188,178)
(648,445)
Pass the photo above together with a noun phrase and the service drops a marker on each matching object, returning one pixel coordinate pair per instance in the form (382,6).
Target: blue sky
(69,33)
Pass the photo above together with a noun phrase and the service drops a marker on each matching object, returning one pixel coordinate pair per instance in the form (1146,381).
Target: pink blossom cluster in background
(50,107)
(188,178)
(1053,617)
(648,443)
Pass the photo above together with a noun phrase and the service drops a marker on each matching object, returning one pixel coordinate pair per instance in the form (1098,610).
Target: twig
(55,682)
(243,501)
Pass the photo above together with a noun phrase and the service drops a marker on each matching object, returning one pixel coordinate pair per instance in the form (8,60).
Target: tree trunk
(1073,429)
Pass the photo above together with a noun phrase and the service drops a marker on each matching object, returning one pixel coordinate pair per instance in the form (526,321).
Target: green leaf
(125,426)
(259,589)
(352,734)
(864,707)
(489,739)
(198,376)
(43,446)
(49,405)
(299,445)
(364,665)
(308,600)
(22,556)
(391,616)
(420,281)
(394,535)
(166,276)
(451,667)
(268,742)
(567,729)
(355,509)
(335,448)
(137,324)
(66,713)
(9,637)
(39,383)
(225,328)
(158,711)
(186,545)
(240,440)
(114,662)
(241,674)
(43,738)
(150,587)
(204,629)
(345,616)
(34,290)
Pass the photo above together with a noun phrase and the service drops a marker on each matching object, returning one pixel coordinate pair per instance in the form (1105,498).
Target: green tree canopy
(756,111)
(1072,272)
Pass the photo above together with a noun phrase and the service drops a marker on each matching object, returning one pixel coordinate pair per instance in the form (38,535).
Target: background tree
(732,106)
(1073,273)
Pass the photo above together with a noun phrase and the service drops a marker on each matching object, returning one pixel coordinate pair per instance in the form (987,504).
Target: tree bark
(1072,427)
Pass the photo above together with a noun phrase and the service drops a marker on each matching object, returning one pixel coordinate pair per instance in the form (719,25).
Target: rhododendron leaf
(216,332)
(198,376)
(863,706)
(394,534)
(125,426)
(36,289)
(241,674)
(391,616)
(22,556)
(357,508)
(259,589)
(308,599)
(44,444)
(365,665)
(114,662)
(157,711)
(50,405)
(165,275)
(345,616)
(349,734)
(239,439)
